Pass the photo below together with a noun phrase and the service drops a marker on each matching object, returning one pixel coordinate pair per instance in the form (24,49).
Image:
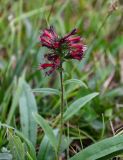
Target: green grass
(24,89)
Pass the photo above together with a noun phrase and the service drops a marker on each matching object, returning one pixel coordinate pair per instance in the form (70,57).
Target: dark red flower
(67,47)
(49,38)
(53,65)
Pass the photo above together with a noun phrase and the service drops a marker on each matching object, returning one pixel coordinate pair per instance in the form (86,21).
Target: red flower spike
(45,65)
(76,55)
(48,38)
(74,39)
(76,45)
(47,34)
(67,47)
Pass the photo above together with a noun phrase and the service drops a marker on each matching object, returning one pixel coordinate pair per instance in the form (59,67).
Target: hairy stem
(61,108)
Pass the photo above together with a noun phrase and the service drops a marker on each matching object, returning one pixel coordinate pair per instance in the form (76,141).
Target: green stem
(61,108)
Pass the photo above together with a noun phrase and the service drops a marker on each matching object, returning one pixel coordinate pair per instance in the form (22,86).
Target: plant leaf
(77,81)
(29,144)
(47,129)
(46,91)
(16,147)
(114,92)
(104,149)
(27,105)
(16,95)
(77,105)
(46,151)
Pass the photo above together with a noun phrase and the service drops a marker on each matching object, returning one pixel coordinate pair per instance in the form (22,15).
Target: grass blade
(47,129)
(114,92)
(29,144)
(46,151)
(104,149)
(16,95)
(16,147)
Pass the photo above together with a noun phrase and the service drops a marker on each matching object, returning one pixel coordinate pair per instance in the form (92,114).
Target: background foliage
(24,89)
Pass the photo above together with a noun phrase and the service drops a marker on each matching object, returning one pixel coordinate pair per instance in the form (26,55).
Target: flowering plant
(61,49)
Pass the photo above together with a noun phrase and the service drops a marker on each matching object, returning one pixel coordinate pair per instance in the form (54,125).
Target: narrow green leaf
(47,129)
(16,95)
(103,150)
(46,91)
(29,157)
(46,151)
(6,100)
(43,149)
(77,105)
(27,105)
(77,81)
(16,147)
(114,92)
(29,144)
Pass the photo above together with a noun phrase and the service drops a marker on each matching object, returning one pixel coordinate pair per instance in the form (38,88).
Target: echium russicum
(60,48)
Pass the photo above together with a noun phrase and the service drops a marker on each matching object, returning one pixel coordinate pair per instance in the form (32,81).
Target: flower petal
(45,65)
